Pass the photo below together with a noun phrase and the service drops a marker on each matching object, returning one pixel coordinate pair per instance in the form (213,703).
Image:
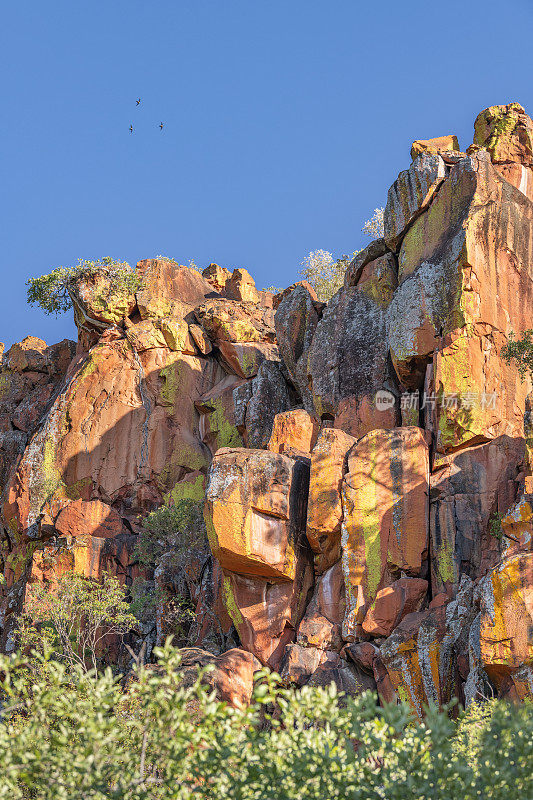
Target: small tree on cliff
(54,293)
(520,353)
(326,274)
(75,618)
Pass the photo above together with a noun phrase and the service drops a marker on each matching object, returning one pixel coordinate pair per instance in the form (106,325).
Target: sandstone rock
(506,632)
(348,363)
(410,194)
(241,287)
(452,265)
(363,654)
(293,431)
(216,276)
(231,676)
(299,663)
(269,396)
(324,510)
(89,518)
(322,622)
(467,490)
(168,289)
(392,603)
(28,355)
(296,320)
(385,528)
(200,339)
(267,614)
(432,146)
(507,133)
(257,505)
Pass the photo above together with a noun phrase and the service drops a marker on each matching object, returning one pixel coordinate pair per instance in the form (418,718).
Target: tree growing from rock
(325,273)
(520,353)
(55,292)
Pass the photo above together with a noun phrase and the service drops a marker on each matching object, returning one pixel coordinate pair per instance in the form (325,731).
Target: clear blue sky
(285,123)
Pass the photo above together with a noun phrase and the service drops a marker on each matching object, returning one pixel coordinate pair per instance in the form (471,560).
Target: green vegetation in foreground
(66,734)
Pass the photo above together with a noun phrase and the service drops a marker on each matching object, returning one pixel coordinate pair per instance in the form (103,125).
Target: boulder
(324,511)
(506,630)
(269,396)
(89,518)
(294,430)
(322,623)
(434,146)
(241,287)
(168,289)
(410,194)
(468,490)
(385,528)
(507,133)
(266,614)
(256,503)
(392,603)
(348,364)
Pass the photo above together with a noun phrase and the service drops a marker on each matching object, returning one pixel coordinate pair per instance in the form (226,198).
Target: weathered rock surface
(367,462)
(385,528)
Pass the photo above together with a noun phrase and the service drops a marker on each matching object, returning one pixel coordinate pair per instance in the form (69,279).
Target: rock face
(364,466)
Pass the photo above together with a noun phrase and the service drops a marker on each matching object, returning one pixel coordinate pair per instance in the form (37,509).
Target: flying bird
(161,126)
(138,103)
(131,128)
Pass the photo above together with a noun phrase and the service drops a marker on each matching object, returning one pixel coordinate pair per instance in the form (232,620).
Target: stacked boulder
(421,448)
(365,464)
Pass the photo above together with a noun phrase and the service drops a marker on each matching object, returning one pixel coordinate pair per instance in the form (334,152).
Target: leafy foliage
(374,226)
(75,619)
(326,274)
(76,736)
(179,527)
(54,292)
(520,352)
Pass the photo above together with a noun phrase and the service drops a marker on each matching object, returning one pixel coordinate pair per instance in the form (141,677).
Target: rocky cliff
(353,455)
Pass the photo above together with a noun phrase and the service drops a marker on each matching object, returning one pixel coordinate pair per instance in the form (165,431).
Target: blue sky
(285,124)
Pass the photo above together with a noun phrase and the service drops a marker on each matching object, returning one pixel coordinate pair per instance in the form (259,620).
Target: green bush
(74,620)
(520,353)
(72,736)
(54,293)
(179,528)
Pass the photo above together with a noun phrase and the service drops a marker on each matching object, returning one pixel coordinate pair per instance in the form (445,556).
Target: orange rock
(266,614)
(507,133)
(322,622)
(241,287)
(324,510)
(402,597)
(506,633)
(410,194)
(234,676)
(169,289)
(467,490)
(89,518)
(293,430)
(440,143)
(256,512)
(217,415)
(216,276)
(385,529)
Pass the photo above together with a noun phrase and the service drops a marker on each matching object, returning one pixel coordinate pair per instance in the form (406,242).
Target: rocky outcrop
(365,464)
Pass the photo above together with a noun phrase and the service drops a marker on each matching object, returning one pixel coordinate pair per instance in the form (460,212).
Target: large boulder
(348,364)
(385,528)
(329,464)
(256,502)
